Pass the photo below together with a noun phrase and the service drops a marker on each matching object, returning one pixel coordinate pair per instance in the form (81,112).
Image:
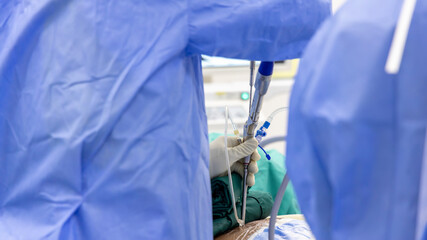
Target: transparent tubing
(282,189)
(276,206)
(262,131)
(241,223)
(273,114)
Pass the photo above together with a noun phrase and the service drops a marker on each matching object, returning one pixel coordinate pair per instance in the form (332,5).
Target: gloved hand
(236,152)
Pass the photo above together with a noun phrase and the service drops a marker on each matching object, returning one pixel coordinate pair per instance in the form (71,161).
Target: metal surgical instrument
(262,83)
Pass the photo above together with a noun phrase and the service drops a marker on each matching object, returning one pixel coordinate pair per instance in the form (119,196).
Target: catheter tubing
(274,113)
(276,206)
(230,180)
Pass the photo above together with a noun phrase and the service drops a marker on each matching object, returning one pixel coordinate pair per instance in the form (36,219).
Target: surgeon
(103,131)
(357,133)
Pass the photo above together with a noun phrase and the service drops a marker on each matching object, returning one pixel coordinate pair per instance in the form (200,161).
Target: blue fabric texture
(289,230)
(103,131)
(356,134)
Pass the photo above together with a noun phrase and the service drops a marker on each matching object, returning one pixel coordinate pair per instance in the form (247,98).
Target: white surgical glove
(237,152)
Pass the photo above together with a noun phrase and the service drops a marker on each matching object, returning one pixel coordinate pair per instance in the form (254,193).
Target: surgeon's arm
(254,29)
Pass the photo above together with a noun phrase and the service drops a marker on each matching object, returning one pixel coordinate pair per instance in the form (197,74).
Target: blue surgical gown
(103,131)
(356,134)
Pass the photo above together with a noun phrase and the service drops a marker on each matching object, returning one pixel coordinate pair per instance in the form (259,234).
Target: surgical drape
(356,134)
(103,131)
